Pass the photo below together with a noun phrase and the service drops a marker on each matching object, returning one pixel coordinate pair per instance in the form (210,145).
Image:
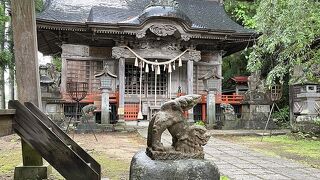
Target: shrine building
(137,54)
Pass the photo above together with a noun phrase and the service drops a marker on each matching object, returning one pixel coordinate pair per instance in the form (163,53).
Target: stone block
(144,168)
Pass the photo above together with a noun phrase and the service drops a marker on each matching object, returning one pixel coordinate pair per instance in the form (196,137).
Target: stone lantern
(45,80)
(309,96)
(106,79)
(211,82)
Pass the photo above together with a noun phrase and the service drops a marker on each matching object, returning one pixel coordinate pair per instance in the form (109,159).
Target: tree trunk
(11,93)
(2,69)
(2,92)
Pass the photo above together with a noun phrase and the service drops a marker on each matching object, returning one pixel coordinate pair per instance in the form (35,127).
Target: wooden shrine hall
(155,50)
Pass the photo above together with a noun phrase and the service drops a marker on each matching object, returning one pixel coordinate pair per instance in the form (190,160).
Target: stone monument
(256,104)
(184,159)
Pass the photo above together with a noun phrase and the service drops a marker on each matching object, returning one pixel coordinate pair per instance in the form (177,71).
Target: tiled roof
(198,14)
(240,79)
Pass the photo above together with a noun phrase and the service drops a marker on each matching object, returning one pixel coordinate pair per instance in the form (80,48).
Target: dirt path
(113,151)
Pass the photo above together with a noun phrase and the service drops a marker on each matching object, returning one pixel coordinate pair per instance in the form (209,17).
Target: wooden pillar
(203,112)
(190,87)
(121,88)
(27,76)
(219,70)
(63,85)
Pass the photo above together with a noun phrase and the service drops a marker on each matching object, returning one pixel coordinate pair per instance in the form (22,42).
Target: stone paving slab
(238,162)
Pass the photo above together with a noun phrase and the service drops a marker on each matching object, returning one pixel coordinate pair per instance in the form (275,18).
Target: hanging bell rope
(140,116)
(158,63)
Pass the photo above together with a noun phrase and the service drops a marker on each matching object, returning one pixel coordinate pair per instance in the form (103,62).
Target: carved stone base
(172,155)
(144,168)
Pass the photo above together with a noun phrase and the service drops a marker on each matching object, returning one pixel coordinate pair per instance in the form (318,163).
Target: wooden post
(203,110)
(291,105)
(63,85)
(190,87)
(219,70)
(121,88)
(27,75)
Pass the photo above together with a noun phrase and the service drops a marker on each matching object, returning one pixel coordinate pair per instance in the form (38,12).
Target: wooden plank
(64,137)
(7,112)
(51,147)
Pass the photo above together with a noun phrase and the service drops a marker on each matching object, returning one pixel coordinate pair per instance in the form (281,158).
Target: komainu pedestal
(144,168)
(184,159)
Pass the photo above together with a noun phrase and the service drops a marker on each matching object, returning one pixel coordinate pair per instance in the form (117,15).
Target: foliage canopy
(290,37)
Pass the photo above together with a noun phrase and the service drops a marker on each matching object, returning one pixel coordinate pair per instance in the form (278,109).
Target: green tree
(243,13)
(290,37)
(5,55)
(57,61)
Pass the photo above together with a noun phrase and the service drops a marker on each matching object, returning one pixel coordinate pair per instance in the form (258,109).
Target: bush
(200,123)
(282,117)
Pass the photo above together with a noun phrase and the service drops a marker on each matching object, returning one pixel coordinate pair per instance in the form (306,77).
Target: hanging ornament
(158,70)
(180,62)
(147,68)
(164,67)
(174,65)
(143,64)
(169,68)
(152,67)
(136,64)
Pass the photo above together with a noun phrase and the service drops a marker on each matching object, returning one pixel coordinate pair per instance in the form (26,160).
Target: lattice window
(162,83)
(85,71)
(132,75)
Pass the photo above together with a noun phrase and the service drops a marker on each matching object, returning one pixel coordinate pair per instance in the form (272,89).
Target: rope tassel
(164,67)
(180,62)
(169,68)
(136,64)
(152,67)
(158,70)
(147,68)
(174,66)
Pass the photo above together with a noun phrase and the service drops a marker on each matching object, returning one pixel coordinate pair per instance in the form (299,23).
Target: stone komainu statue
(187,141)
(88,110)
